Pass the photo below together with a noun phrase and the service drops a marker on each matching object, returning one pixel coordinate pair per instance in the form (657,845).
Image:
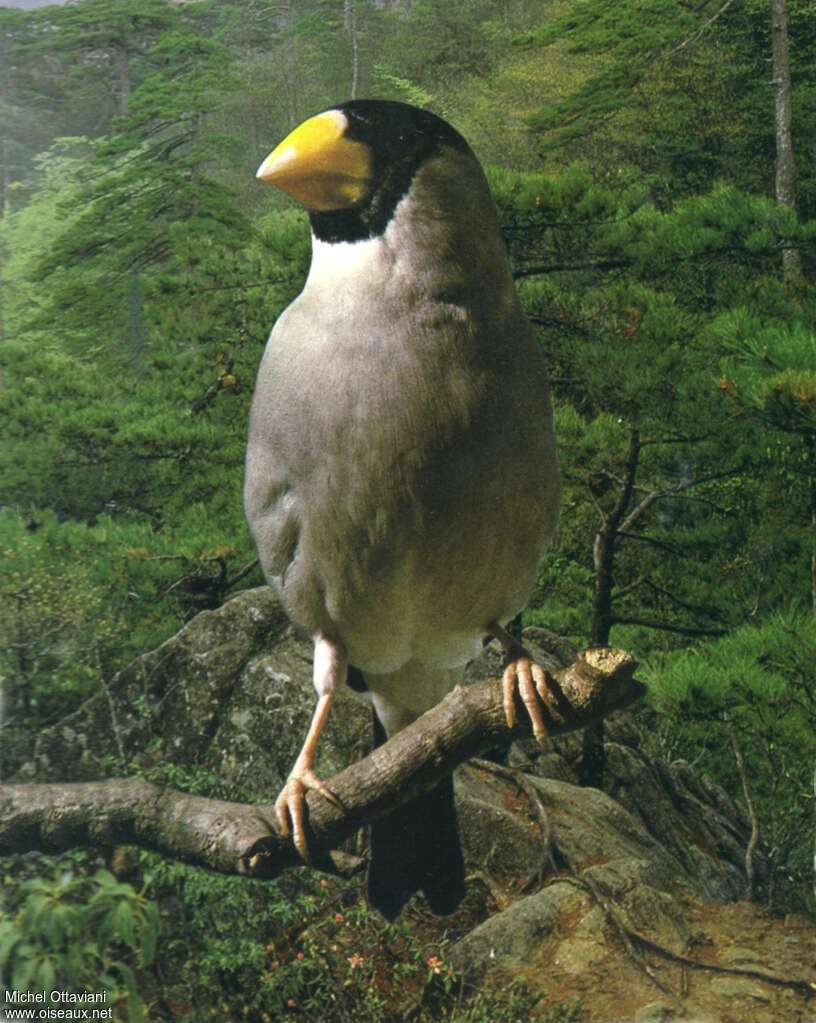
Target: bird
(401,480)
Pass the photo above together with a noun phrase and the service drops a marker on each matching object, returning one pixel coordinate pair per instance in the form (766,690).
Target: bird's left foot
(530,679)
(523,675)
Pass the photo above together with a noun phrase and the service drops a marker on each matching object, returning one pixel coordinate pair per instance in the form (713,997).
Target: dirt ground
(615,989)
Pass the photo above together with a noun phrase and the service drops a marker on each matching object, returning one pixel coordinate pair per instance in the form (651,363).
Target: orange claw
(329,671)
(530,679)
(290,805)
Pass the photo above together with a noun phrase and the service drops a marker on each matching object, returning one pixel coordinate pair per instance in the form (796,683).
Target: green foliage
(630,152)
(757,680)
(308,947)
(79,600)
(770,367)
(58,632)
(76,933)
(629,296)
(679,91)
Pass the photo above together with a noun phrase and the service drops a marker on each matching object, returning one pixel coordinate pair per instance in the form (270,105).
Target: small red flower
(435,964)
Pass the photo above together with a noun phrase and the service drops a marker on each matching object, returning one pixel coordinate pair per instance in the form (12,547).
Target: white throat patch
(335,264)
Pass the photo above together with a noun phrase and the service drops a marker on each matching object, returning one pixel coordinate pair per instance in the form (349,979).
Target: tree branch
(238,838)
(749,803)
(554,268)
(684,630)
(695,609)
(706,24)
(671,491)
(664,545)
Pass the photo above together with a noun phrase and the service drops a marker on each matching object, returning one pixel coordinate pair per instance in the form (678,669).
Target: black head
(401,138)
(351,164)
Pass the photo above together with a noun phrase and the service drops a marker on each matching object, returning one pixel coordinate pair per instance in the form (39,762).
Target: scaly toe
(310,780)
(509,694)
(290,806)
(530,679)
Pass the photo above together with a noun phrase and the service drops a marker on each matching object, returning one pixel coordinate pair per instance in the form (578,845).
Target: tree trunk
(785,165)
(350,25)
(810,447)
(753,842)
(123,75)
(593,758)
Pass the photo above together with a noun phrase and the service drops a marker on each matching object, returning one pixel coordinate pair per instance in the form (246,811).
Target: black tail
(417,848)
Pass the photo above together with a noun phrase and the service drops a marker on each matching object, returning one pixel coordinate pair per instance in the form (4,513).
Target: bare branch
(552,268)
(706,24)
(616,518)
(622,590)
(746,791)
(241,574)
(695,609)
(611,523)
(237,838)
(664,545)
(683,630)
(671,491)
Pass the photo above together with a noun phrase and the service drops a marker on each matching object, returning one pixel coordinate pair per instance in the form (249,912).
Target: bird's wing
(271,499)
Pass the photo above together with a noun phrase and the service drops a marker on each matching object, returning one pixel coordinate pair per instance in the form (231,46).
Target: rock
(229,696)
(658,916)
(599,839)
(226,702)
(508,940)
(656,1012)
(592,828)
(740,987)
(691,818)
(586,947)
(496,838)
(734,954)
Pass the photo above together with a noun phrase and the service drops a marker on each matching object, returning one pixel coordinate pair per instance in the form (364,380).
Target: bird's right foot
(290,805)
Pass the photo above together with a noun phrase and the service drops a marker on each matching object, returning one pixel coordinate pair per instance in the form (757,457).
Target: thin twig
(804,987)
(696,35)
(754,839)
(613,919)
(539,812)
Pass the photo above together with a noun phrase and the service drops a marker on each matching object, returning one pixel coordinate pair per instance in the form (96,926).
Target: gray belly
(421,576)
(401,494)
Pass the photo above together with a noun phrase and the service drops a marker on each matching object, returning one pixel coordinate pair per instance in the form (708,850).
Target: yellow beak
(317,165)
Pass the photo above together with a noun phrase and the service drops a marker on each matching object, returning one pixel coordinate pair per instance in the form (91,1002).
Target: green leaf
(10,937)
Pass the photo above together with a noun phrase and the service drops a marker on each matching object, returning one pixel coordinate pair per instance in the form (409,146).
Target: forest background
(653,164)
